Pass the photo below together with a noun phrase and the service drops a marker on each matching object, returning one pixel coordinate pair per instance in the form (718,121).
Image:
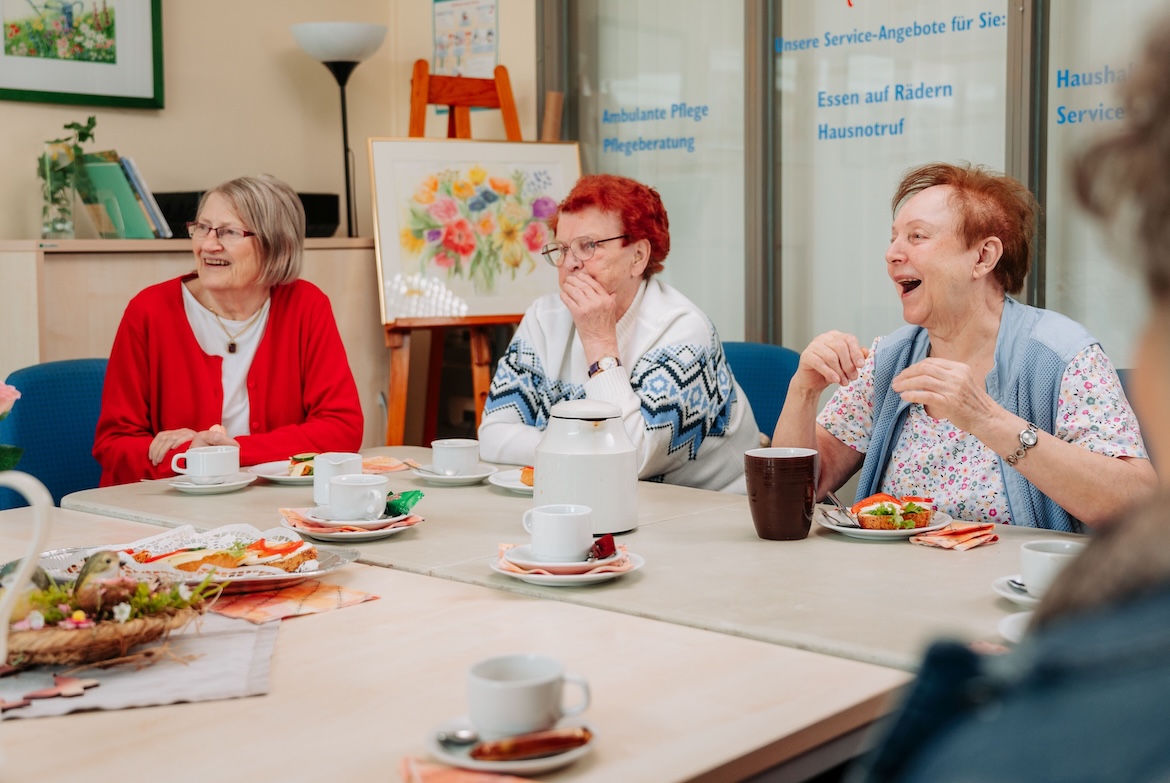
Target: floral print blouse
(936,459)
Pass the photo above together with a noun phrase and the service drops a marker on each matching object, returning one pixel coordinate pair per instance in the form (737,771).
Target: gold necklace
(231,346)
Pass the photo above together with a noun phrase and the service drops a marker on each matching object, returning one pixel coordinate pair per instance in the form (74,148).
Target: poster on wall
(867,91)
(459,225)
(466,38)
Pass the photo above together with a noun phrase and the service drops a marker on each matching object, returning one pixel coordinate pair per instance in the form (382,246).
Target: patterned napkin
(960,536)
(309,597)
(383,465)
(618,566)
(296,517)
(417,771)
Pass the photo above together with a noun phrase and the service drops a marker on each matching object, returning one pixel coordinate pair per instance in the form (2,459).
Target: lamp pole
(341,69)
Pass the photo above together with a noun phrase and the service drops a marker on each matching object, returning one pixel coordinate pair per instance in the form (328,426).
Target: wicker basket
(88,645)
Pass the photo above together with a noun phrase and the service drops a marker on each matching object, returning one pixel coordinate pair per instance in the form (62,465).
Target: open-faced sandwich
(301,464)
(285,555)
(886,512)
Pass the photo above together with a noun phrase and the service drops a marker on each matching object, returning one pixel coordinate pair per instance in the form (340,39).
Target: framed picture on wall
(94,53)
(459,225)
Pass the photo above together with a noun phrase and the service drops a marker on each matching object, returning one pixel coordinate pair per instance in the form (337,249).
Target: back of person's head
(1124,177)
(273,210)
(988,204)
(638,206)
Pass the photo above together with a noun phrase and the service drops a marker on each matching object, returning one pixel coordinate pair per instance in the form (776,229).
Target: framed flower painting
(93,53)
(459,224)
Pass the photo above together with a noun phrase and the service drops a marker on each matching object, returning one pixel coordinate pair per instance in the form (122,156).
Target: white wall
(242,98)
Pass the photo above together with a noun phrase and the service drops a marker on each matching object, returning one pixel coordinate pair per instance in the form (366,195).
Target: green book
(108,195)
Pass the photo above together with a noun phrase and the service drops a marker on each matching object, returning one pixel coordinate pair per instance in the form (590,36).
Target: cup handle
(525,522)
(583,684)
(175,463)
(374,496)
(41,501)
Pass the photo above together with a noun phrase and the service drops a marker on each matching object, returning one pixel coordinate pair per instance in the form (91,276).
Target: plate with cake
(514,480)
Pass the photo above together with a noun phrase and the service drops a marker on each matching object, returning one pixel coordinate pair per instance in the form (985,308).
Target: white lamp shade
(339,41)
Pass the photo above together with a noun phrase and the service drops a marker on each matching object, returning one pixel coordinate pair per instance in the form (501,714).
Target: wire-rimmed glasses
(582,247)
(225,234)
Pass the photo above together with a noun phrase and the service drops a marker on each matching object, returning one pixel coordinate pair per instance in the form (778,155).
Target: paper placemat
(232,659)
(308,597)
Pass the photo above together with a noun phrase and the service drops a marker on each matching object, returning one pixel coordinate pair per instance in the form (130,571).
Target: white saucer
(320,515)
(458,756)
(482,471)
(278,472)
(523,557)
(1013,626)
(236,482)
(1021,597)
(510,480)
(351,535)
(571,580)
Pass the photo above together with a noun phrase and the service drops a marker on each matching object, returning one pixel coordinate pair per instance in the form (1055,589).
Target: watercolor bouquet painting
(60,30)
(479,224)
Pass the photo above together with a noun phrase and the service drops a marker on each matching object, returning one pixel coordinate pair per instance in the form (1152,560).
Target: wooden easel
(459,94)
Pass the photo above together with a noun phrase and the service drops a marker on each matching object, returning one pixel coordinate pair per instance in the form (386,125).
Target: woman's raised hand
(167,440)
(833,357)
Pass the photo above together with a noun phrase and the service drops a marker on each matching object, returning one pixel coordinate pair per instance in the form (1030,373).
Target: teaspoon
(461,736)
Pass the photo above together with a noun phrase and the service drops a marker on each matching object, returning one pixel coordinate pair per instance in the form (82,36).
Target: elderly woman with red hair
(999,411)
(616,333)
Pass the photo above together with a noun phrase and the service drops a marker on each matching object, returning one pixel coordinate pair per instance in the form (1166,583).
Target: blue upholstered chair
(763,372)
(54,422)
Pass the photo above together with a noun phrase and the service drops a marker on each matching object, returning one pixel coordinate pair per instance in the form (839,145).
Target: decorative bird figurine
(103,564)
(40,579)
(101,583)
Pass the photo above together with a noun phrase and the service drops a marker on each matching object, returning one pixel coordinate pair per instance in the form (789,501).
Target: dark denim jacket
(1086,700)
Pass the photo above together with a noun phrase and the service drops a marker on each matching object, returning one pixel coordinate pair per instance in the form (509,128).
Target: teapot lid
(589,410)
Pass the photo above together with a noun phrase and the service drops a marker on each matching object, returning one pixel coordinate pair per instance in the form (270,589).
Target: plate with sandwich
(244,558)
(883,517)
(297,469)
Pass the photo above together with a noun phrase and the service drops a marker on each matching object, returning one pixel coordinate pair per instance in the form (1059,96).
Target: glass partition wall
(843,96)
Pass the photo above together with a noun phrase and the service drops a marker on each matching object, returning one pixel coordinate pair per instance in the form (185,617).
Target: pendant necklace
(231,346)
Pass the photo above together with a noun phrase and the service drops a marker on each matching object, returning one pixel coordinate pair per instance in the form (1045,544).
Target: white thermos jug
(586,457)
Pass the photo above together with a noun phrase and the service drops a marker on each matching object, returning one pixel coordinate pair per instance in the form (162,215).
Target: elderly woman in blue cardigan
(999,411)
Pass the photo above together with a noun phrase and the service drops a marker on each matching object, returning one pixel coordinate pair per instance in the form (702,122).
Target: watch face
(607,363)
(1028,438)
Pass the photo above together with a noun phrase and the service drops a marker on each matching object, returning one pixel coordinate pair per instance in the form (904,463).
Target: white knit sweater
(688,419)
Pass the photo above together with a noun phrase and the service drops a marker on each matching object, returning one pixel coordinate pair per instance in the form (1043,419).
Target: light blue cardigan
(1032,351)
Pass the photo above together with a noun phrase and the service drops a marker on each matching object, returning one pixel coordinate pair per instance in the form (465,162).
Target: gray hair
(273,210)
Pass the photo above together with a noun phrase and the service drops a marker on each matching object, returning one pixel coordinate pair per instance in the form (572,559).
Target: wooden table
(355,690)
(877,602)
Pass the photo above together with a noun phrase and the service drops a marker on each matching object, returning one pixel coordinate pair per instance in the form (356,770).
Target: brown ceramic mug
(782,491)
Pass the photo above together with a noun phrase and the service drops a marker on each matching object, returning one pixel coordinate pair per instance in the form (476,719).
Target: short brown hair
(988,204)
(638,206)
(273,210)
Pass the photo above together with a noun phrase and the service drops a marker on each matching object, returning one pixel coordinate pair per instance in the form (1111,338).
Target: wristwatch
(603,364)
(1028,439)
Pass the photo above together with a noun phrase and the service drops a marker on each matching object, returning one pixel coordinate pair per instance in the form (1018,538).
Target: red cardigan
(301,392)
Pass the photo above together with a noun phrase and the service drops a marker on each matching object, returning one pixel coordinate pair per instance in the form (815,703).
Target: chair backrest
(763,372)
(460,94)
(54,422)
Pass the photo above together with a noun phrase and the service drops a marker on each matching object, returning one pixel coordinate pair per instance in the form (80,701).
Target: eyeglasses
(582,248)
(226,234)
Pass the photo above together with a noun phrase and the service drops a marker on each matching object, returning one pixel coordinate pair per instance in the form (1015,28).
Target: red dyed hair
(638,206)
(988,204)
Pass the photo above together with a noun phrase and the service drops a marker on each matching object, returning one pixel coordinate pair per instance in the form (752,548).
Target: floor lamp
(341,46)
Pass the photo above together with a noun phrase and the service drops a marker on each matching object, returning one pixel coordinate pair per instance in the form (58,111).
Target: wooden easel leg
(434,381)
(399,345)
(481,368)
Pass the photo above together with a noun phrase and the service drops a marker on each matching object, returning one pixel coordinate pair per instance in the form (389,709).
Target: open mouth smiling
(909,284)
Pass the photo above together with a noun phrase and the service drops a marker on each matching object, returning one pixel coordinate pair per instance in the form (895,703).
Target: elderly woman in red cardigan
(239,352)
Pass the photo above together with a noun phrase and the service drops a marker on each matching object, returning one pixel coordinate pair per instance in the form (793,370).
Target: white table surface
(872,601)
(356,689)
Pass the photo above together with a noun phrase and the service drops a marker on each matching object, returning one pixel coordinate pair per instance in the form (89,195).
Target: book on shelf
(108,195)
(161,228)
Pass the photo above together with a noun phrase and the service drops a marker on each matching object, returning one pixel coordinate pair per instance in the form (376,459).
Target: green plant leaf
(9,456)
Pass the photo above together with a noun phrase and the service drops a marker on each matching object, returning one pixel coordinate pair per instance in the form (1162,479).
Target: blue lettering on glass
(827,100)
(681,110)
(988,19)
(921,91)
(1066,78)
(1103,113)
(826,132)
(630,146)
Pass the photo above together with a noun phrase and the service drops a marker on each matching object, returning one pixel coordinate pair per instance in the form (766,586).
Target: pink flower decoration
(444,209)
(534,236)
(444,260)
(8,397)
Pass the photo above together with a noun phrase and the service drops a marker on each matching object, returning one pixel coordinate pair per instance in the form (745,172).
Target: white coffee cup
(328,465)
(1041,561)
(454,456)
(208,464)
(357,497)
(561,532)
(517,694)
